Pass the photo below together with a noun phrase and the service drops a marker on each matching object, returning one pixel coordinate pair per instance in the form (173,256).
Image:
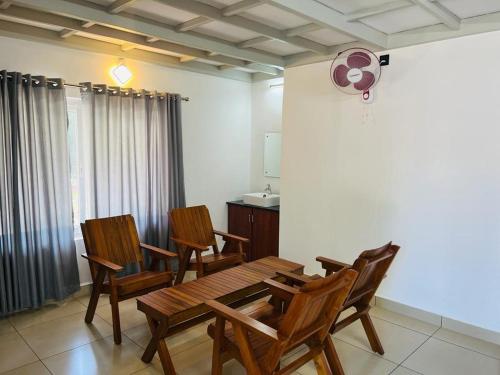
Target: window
(74,119)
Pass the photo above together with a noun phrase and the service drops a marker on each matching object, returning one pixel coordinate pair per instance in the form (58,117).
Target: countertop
(240,203)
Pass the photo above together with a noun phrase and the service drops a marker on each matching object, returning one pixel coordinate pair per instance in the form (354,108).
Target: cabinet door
(265,233)
(239,222)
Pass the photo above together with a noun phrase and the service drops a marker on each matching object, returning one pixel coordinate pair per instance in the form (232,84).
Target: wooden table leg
(157,343)
(151,348)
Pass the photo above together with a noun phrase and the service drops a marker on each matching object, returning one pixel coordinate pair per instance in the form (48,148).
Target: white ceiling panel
(349,6)
(402,19)
(160,12)
(225,31)
(162,51)
(328,37)
(471,8)
(279,48)
(275,17)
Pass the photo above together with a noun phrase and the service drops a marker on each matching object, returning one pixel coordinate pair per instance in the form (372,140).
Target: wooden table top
(185,301)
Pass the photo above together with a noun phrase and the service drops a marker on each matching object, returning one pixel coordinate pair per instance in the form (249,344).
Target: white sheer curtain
(131,157)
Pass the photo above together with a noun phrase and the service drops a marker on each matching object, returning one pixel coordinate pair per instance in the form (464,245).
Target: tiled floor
(55,340)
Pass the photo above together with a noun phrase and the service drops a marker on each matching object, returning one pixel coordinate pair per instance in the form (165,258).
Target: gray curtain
(37,249)
(132,157)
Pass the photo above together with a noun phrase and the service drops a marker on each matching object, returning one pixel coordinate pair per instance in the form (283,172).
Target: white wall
(420,166)
(267,106)
(216,122)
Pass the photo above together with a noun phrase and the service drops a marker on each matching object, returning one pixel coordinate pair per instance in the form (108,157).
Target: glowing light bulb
(121,74)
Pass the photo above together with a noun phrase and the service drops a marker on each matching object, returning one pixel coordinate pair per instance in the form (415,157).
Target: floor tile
(36,368)
(14,352)
(354,361)
(437,357)
(98,357)
(198,360)
(404,371)
(405,321)
(197,367)
(398,342)
(45,314)
(56,336)
(195,361)
(344,314)
(176,343)
(468,342)
(129,315)
(102,301)
(5,326)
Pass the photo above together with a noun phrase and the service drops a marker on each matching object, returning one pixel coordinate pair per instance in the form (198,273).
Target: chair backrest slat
(372,265)
(312,311)
(193,224)
(114,239)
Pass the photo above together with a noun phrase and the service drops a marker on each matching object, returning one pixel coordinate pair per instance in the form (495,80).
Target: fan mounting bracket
(384,60)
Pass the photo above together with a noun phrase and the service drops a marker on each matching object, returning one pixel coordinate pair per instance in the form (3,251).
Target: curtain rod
(185,99)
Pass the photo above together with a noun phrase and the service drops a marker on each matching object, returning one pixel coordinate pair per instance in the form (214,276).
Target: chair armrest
(110,266)
(332,265)
(293,277)
(236,317)
(282,291)
(190,244)
(231,236)
(157,252)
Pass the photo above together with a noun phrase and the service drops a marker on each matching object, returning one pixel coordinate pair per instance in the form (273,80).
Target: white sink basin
(261,199)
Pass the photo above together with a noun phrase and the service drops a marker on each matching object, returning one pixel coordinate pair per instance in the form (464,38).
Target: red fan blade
(340,76)
(366,82)
(358,60)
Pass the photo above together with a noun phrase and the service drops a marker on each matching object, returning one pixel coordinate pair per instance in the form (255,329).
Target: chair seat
(143,281)
(261,311)
(218,261)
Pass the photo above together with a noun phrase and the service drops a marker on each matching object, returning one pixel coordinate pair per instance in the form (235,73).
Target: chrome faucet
(268,189)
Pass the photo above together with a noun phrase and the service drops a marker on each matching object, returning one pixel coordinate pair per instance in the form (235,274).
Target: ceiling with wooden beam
(243,39)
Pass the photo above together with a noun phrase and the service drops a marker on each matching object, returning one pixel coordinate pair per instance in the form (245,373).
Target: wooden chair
(192,231)
(259,336)
(112,243)
(372,266)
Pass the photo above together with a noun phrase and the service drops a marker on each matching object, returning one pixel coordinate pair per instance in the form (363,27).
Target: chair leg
(200,272)
(115,313)
(94,297)
(246,352)
(217,348)
(321,364)
(333,357)
(371,333)
(184,259)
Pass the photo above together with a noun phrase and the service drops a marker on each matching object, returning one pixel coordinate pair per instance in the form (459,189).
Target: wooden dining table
(172,310)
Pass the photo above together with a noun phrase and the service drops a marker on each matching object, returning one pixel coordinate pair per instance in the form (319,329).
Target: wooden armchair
(259,336)
(372,266)
(192,231)
(112,243)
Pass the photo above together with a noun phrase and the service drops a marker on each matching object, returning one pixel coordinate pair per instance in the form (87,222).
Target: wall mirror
(272,154)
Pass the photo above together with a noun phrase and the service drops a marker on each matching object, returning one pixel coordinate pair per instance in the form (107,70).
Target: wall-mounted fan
(355,71)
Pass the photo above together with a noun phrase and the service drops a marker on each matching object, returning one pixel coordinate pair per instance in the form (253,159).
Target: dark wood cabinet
(260,225)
